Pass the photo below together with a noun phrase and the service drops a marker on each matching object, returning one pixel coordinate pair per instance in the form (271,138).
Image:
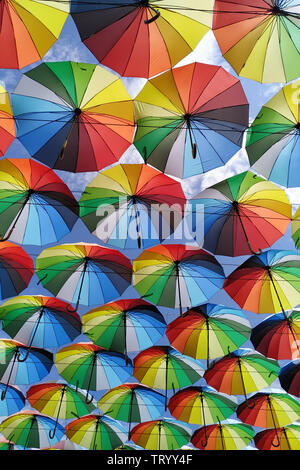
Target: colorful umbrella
(177,275)
(96,432)
(132,206)
(28,30)
(161,434)
(7,445)
(124,326)
(13,401)
(132,403)
(188,113)
(36,206)
(16,270)
(73,116)
(30,429)
(253,35)
(229,435)
(37,365)
(58,400)
(288,436)
(273,143)
(208,331)
(165,368)
(84,273)
(138,38)
(7,127)
(201,405)
(267,283)
(271,410)
(92,368)
(242,214)
(296,228)
(241,372)
(39,321)
(289,377)
(278,336)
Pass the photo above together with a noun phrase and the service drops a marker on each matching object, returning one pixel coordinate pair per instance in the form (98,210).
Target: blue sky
(69,47)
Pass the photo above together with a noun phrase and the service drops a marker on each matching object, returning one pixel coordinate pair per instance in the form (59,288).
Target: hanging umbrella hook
(154,18)
(23,359)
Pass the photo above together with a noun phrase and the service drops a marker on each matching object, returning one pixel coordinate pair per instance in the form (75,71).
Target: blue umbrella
(13,402)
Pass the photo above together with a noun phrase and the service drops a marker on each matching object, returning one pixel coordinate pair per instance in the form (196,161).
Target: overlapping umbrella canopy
(80,117)
(139,38)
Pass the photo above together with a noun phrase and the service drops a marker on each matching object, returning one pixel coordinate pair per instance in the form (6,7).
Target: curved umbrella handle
(4,239)
(87,399)
(70,309)
(250,403)
(278,441)
(194,150)
(52,431)
(3,394)
(204,443)
(20,359)
(154,18)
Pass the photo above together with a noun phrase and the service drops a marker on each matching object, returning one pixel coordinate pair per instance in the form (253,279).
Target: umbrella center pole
(283,311)
(86,261)
(187,118)
(208,353)
(77,112)
(203,443)
(252,405)
(29,433)
(96,430)
(236,208)
(137,225)
(274,423)
(286,438)
(166,395)
(130,413)
(125,337)
(52,431)
(159,433)
(32,337)
(222,436)
(177,274)
(3,394)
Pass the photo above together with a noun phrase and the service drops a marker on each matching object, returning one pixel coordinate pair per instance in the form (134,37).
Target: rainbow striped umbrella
(161,434)
(96,432)
(241,372)
(288,436)
(132,403)
(228,435)
(123,326)
(30,429)
(208,331)
(177,275)
(84,273)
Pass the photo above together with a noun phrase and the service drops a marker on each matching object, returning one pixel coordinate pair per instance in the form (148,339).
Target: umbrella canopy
(30,429)
(28,30)
(36,206)
(289,377)
(266,283)
(73,116)
(124,326)
(84,273)
(208,331)
(90,367)
(132,403)
(254,35)
(242,214)
(58,400)
(278,336)
(14,370)
(7,445)
(296,228)
(241,372)
(161,434)
(289,438)
(7,127)
(16,269)
(40,321)
(96,432)
(201,405)
(132,206)
(271,410)
(229,435)
(165,368)
(140,38)
(177,275)
(273,142)
(13,401)
(188,113)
